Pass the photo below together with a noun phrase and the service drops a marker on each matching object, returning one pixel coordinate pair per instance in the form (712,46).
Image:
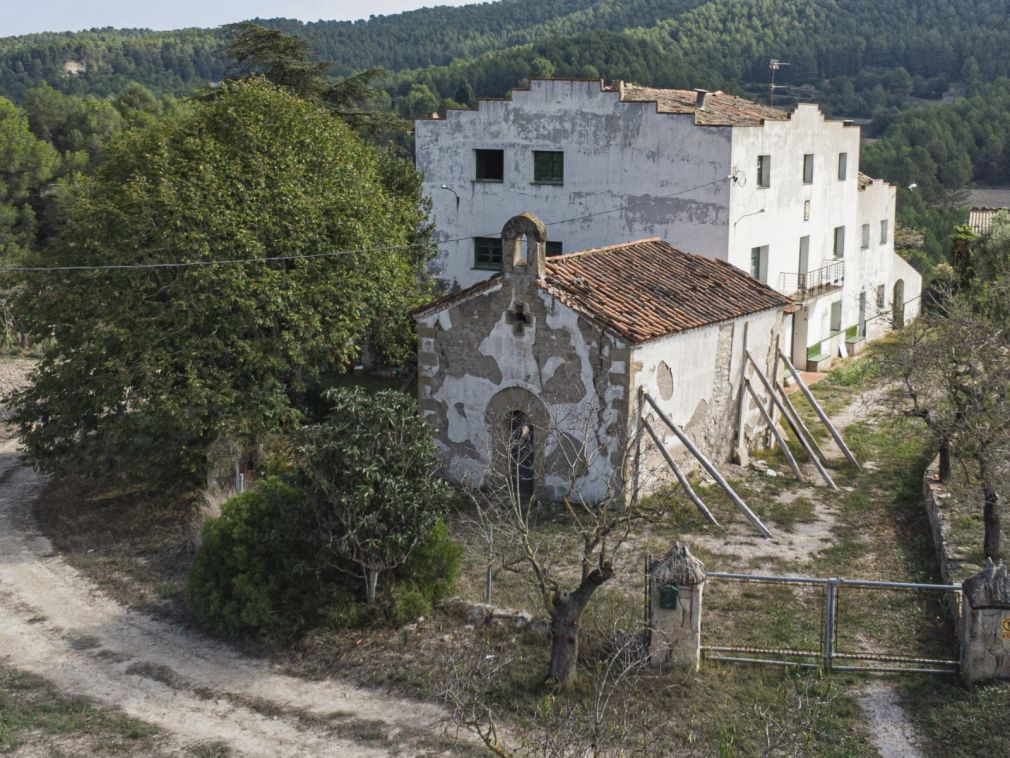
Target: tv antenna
(774,65)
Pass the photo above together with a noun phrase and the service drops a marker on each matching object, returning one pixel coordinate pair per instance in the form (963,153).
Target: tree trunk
(566,612)
(990,510)
(371,582)
(990,515)
(944,470)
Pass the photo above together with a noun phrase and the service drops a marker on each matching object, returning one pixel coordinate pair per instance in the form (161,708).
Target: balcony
(813,283)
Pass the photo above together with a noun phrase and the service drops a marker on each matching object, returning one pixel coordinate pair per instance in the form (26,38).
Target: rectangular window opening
(836,317)
(554,247)
(548,167)
(843,166)
(764,171)
(808,168)
(883,232)
(487,253)
(759,263)
(839,246)
(881,296)
(490,165)
(864,243)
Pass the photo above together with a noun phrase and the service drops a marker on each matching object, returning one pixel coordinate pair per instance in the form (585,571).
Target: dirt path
(56,624)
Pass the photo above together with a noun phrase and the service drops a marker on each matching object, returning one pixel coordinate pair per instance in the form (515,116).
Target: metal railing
(810,283)
(827,656)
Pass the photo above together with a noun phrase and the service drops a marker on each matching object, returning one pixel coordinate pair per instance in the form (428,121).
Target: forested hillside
(858,57)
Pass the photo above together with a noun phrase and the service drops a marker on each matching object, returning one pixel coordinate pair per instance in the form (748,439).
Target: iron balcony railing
(810,283)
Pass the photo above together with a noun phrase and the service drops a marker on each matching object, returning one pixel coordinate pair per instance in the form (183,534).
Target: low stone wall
(950,557)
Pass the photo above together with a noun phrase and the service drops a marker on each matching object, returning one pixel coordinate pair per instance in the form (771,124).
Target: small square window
(883,232)
(808,168)
(553,247)
(548,167)
(843,166)
(487,253)
(881,295)
(490,165)
(864,242)
(839,246)
(759,263)
(764,171)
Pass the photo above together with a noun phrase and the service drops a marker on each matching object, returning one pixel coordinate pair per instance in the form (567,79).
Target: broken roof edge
(617,87)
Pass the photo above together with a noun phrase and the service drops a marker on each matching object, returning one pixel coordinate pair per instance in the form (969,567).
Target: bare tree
(599,512)
(603,718)
(954,368)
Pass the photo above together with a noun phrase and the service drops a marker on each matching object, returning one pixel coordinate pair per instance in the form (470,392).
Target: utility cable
(331,254)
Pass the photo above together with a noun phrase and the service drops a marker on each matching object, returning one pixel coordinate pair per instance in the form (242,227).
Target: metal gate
(827,656)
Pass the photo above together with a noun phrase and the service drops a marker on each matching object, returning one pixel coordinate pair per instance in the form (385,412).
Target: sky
(25,17)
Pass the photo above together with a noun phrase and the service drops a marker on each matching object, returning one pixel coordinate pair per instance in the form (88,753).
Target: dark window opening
(764,171)
(548,167)
(487,253)
(521,452)
(808,168)
(553,247)
(490,165)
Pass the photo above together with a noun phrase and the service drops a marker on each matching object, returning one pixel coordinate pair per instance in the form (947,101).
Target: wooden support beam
(636,480)
(712,471)
(820,413)
(677,472)
(810,453)
(775,432)
(741,438)
(798,421)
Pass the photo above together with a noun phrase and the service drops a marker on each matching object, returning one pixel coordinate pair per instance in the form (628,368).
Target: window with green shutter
(548,167)
(487,253)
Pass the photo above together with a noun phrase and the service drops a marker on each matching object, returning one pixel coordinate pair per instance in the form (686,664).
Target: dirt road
(56,624)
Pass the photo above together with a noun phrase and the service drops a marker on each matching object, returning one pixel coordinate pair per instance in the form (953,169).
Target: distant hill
(859,57)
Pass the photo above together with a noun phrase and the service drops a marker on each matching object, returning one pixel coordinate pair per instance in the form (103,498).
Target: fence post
(676,582)
(830,609)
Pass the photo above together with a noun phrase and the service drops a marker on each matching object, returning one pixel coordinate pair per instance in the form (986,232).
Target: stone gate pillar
(676,582)
(985,626)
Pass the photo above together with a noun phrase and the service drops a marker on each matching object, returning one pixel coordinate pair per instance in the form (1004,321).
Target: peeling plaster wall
(474,368)
(616,155)
(707,368)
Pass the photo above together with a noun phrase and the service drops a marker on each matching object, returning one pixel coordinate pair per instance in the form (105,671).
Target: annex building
(537,371)
(774,194)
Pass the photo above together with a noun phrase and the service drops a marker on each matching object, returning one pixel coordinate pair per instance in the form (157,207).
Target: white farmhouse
(778,195)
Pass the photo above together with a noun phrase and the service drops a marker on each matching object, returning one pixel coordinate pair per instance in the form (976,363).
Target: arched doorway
(898,304)
(522,454)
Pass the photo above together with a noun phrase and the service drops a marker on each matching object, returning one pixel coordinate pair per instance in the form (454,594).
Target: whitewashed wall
(616,155)
(706,367)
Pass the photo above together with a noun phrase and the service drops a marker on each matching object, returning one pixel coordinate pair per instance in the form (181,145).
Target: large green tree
(149,365)
(26,163)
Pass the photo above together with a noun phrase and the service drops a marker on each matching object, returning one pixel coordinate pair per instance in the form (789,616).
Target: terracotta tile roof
(648,289)
(644,290)
(980,219)
(720,109)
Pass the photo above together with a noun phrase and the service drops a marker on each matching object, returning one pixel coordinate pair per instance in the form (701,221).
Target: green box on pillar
(668,594)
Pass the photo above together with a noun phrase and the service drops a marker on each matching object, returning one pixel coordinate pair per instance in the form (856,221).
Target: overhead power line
(333,253)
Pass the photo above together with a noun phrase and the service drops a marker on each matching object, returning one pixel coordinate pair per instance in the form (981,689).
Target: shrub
(433,566)
(249,579)
(407,602)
